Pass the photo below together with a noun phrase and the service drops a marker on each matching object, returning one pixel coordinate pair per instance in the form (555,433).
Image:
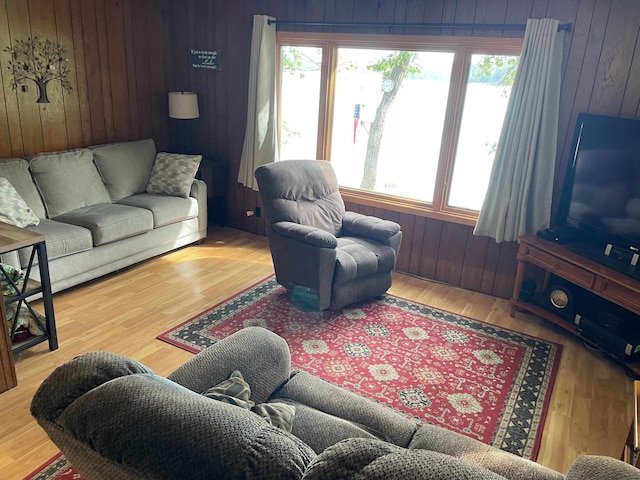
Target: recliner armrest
(371,227)
(239,351)
(310,235)
(74,378)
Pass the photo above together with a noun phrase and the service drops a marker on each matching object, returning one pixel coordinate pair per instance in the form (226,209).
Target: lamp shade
(183,105)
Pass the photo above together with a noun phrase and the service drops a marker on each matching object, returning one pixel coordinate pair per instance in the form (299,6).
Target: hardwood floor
(591,405)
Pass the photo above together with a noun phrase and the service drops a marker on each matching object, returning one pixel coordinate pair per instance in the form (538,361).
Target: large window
(409,123)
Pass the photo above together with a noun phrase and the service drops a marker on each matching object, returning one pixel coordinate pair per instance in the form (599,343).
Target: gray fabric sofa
(114,418)
(95,212)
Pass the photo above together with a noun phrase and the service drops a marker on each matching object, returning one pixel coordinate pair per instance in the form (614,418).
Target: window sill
(403,205)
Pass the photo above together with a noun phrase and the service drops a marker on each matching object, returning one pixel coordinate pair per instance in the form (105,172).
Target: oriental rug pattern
(57,468)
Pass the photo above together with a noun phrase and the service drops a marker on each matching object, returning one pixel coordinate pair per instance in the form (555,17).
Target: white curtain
(260,138)
(518,199)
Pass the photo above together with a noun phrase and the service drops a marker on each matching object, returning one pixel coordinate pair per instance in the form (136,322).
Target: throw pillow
(68,180)
(11,279)
(236,391)
(125,167)
(173,174)
(278,414)
(16,170)
(13,209)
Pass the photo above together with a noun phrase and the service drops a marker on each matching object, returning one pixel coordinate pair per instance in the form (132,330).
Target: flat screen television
(600,201)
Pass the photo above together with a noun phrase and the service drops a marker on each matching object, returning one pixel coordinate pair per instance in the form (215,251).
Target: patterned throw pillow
(11,279)
(13,209)
(173,174)
(236,391)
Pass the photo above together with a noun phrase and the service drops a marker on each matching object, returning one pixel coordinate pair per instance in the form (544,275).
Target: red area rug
(477,379)
(465,375)
(57,468)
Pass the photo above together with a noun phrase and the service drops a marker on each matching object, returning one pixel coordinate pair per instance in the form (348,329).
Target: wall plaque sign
(208,59)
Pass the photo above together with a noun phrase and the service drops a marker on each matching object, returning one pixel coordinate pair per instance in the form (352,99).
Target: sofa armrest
(199,192)
(198,189)
(310,235)
(248,351)
(371,227)
(78,376)
(11,258)
(595,467)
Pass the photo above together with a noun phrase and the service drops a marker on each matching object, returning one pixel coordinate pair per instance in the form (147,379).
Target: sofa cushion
(165,209)
(13,209)
(68,181)
(110,222)
(16,170)
(173,174)
(125,167)
(314,392)
(321,430)
(62,239)
(359,458)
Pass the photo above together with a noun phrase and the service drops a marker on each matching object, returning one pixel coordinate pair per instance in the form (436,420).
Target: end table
(14,238)
(8,379)
(215,174)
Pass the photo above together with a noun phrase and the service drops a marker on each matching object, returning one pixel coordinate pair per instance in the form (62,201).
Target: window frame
(463,49)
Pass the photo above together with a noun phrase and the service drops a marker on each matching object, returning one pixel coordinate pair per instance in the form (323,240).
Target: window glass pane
(388,118)
(486,99)
(299,107)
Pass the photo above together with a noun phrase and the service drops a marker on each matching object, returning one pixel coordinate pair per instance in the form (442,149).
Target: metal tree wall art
(41,61)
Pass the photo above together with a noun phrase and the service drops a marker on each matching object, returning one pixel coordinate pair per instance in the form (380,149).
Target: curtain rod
(563,27)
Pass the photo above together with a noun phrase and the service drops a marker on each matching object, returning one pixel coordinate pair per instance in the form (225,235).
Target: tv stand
(578,270)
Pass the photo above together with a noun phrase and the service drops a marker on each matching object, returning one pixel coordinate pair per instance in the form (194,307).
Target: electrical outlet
(250,213)
(257,211)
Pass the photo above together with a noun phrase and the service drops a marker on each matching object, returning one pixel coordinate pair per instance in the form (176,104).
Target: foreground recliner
(342,257)
(113,418)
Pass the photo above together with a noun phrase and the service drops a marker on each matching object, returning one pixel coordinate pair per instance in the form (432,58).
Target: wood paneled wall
(601,75)
(120,73)
(128,53)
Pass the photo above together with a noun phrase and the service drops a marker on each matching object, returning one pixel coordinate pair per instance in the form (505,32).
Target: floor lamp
(184,107)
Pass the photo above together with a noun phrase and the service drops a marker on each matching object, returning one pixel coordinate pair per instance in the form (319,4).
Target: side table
(14,238)
(215,174)
(8,379)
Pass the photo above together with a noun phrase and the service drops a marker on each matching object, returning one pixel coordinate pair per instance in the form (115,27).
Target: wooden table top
(13,238)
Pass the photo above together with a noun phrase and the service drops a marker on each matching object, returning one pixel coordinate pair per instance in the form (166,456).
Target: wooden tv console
(593,277)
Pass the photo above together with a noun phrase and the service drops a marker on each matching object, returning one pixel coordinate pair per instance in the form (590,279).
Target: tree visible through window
(414,125)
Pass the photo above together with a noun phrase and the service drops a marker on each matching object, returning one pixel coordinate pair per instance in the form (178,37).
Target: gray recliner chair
(341,257)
